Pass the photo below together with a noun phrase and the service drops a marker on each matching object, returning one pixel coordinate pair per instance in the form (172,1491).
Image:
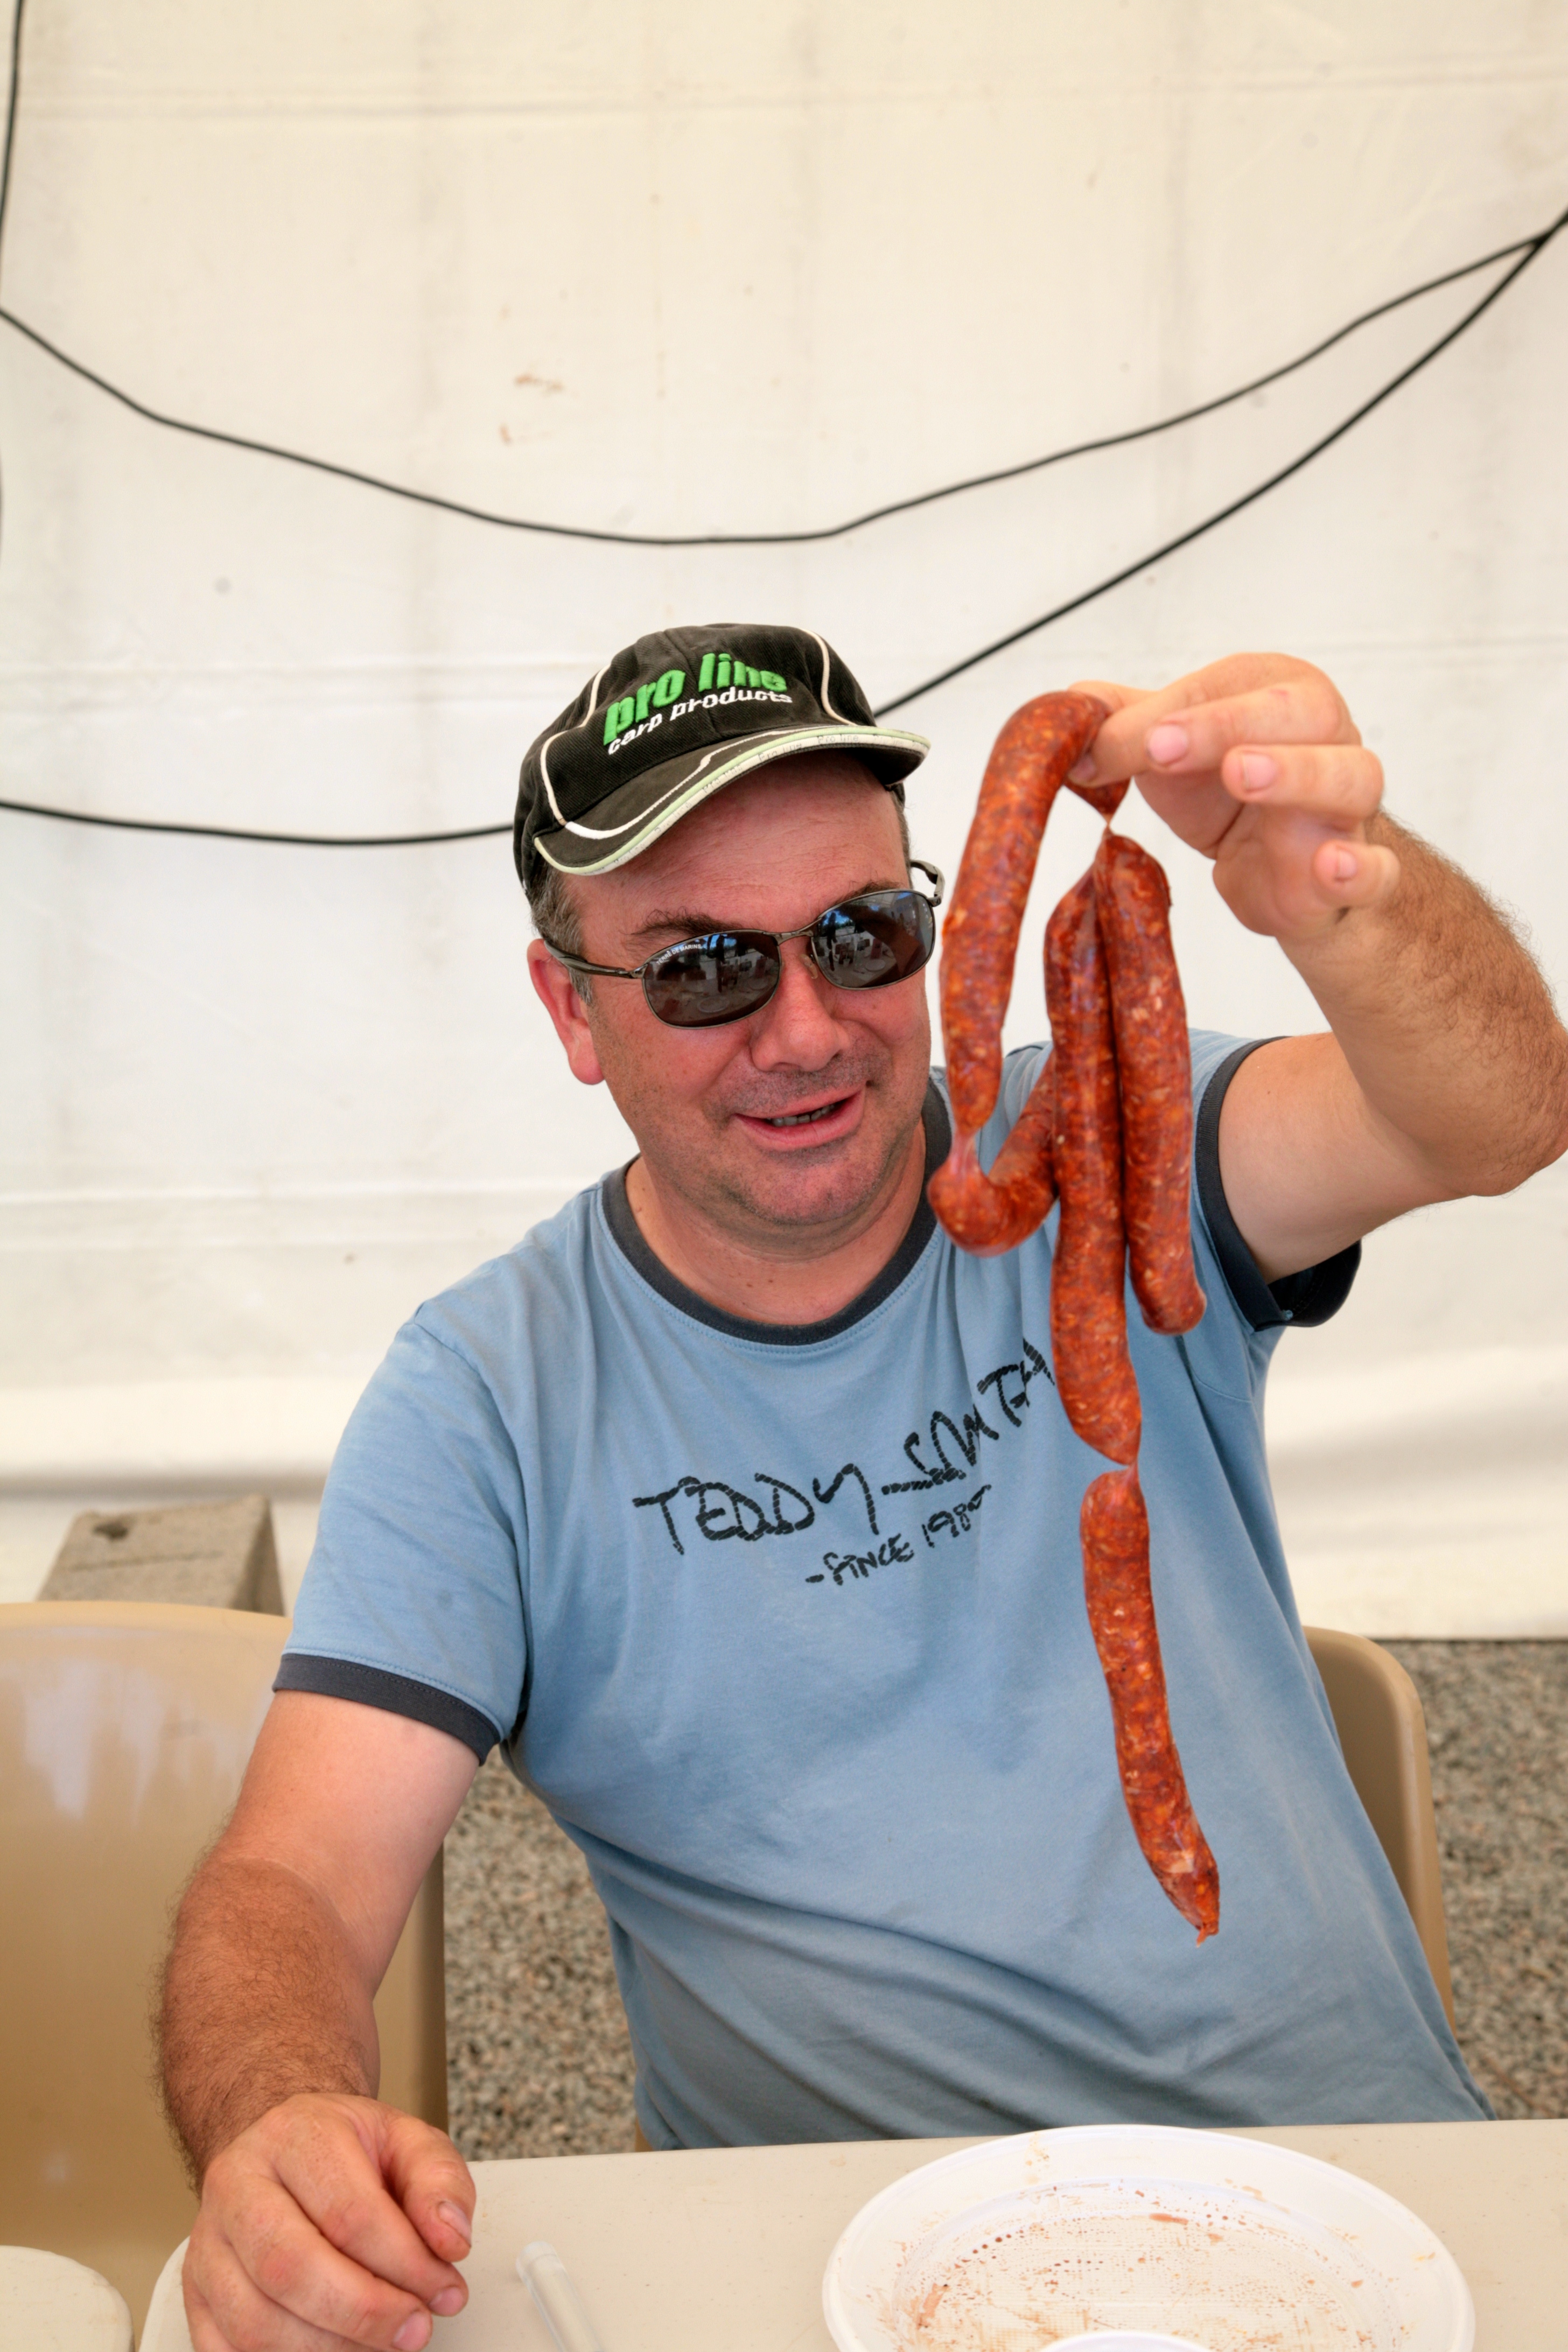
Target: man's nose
(799,1027)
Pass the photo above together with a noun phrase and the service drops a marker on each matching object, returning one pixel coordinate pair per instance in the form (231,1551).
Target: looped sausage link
(986,1213)
(1109,1125)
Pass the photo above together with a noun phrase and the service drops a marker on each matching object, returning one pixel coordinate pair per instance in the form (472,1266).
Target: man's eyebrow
(682,923)
(686,923)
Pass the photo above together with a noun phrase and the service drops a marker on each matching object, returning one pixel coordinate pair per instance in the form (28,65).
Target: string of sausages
(1107,1128)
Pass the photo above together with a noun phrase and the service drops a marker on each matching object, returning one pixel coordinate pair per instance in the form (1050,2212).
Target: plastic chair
(1377,1713)
(125,1729)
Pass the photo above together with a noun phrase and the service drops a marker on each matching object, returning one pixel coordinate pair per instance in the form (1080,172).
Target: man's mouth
(806,1118)
(834,1119)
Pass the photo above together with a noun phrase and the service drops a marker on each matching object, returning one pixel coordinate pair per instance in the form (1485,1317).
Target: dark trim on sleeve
(628,1234)
(1310,1297)
(393,1694)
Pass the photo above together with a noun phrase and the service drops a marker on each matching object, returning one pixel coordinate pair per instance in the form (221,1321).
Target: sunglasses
(868,941)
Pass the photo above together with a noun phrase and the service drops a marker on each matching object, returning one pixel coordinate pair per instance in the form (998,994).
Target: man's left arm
(1445,1071)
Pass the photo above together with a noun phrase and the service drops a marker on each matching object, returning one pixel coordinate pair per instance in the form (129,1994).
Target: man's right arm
(325,2215)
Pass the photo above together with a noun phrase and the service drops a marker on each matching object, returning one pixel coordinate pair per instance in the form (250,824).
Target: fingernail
(450,2299)
(1258,771)
(1084,772)
(456,2219)
(415,2331)
(1345,866)
(1166,743)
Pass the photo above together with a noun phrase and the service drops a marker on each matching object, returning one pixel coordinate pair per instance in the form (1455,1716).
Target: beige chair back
(125,1729)
(1382,1732)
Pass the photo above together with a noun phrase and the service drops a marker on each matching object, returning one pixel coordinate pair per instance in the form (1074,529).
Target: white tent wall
(680,268)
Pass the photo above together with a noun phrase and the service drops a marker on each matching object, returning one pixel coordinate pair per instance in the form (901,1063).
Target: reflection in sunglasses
(864,942)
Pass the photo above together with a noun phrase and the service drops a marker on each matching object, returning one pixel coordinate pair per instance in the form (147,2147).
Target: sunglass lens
(702,982)
(872,942)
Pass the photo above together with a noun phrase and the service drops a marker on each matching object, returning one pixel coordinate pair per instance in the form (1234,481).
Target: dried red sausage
(988,1211)
(980,937)
(1154,1063)
(1114,1527)
(1108,1122)
(1093,1371)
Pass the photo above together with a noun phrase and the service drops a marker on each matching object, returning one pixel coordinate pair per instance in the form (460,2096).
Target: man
(742,1509)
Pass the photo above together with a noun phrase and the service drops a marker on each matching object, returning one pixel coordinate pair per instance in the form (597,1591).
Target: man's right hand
(333,2221)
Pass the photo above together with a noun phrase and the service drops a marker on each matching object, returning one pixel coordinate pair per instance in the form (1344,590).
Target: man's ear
(552,985)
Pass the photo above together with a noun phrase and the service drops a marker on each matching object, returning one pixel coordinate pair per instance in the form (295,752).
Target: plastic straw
(548,2281)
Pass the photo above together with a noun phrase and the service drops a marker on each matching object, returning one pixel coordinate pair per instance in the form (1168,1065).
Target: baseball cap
(674,719)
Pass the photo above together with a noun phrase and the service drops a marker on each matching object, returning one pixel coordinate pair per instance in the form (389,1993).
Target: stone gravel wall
(1496,1724)
(540,2064)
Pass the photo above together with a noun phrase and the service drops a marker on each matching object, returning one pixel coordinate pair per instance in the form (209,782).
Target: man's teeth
(802,1118)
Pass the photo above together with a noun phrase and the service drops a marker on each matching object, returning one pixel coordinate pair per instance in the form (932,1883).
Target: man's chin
(819,1186)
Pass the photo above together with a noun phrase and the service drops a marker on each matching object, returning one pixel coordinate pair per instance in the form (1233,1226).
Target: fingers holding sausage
(1245,699)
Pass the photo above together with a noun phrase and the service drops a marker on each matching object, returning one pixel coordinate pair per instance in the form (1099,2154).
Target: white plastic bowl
(1151,2236)
(1118,2340)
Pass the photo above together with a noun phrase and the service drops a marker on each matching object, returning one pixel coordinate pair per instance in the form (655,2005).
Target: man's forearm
(1447,1024)
(262,1999)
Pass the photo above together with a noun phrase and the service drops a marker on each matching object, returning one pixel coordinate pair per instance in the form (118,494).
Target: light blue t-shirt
(786,1627)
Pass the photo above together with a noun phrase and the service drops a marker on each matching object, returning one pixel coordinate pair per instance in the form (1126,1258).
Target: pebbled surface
(538,2058)
(541,2066)
(1497,1726)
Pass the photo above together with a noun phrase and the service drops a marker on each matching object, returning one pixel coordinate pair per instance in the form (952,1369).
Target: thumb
(1354,874)
(1107,757)
(1115,697)
(431,2182)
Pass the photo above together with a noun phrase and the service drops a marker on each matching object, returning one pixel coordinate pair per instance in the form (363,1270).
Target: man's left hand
(1256,762)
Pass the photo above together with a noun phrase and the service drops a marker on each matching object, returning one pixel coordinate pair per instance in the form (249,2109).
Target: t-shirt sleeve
(412,1600)
(1308,1297)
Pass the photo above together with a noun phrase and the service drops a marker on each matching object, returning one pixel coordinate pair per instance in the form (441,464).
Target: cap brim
(628,819)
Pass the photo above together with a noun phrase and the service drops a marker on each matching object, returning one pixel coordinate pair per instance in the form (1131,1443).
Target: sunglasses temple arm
(581,963)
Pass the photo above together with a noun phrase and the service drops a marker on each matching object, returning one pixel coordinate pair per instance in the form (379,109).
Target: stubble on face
(823,831)
(815,1191)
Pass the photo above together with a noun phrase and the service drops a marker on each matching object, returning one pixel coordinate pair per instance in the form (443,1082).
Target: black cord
(6,157)
(1532,248)
(11,113)
(238,833)
(1528,248)
(1536,245)
(765,538)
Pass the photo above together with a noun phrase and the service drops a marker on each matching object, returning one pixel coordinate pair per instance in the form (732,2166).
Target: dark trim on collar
(1308,1297)
(393,1694)
(628,1234)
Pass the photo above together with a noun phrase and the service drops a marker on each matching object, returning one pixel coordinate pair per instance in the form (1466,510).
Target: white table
(724,2252)
(49,2303)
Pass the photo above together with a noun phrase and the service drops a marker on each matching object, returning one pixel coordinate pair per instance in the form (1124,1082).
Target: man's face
(797,1120)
